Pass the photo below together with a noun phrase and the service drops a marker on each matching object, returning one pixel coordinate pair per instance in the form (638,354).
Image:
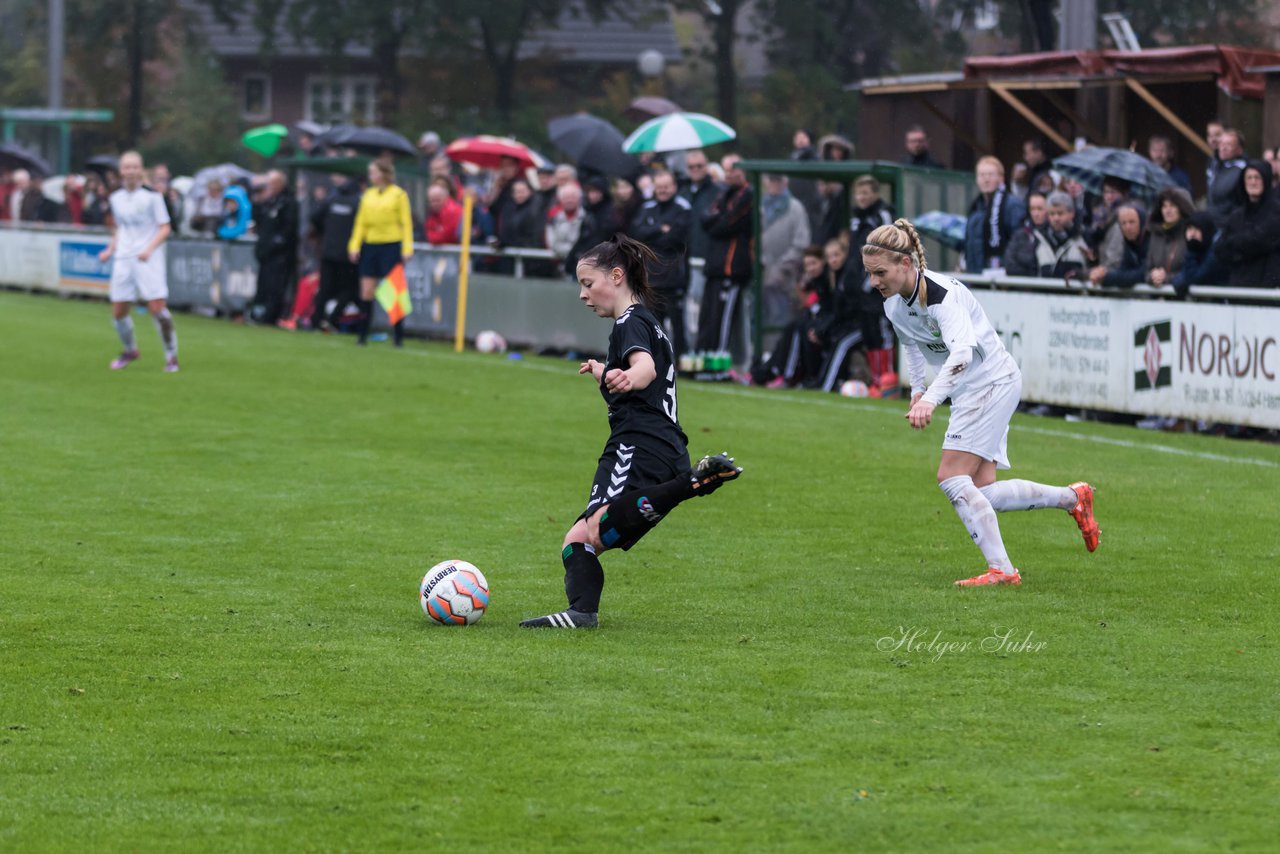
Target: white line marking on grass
(1164,449)
(845,403)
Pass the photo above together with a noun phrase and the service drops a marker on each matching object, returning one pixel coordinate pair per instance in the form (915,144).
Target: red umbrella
(488,151)
(651,106)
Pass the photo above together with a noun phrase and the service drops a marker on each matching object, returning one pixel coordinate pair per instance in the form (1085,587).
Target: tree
(721,17)
(497,30)
(386,27)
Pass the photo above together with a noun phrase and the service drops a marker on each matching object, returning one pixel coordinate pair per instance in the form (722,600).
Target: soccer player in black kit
(644,471)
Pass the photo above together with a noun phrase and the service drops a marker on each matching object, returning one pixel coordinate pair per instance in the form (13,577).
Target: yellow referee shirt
(383,217)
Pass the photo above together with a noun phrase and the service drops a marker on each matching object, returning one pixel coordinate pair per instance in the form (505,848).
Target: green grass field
(210,637)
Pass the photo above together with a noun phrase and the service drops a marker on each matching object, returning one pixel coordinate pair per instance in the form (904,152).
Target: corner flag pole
(464,267)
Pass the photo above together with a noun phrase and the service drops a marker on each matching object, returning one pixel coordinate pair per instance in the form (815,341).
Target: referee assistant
(381,238)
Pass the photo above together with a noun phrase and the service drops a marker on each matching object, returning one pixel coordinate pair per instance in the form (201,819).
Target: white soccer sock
(124,328)
(979,517)
(168,335)
(1006,495)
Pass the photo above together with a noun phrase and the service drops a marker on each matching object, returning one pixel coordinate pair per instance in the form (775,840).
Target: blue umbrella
(1092,165)
(946,228)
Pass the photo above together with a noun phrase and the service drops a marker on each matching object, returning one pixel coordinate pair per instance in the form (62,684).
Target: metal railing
(986,279)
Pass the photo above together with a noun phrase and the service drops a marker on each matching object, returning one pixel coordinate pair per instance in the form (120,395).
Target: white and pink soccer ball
(454,593)
(489,341)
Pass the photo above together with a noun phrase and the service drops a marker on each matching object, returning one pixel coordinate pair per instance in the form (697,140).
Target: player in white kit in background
(139,228)
(939,322)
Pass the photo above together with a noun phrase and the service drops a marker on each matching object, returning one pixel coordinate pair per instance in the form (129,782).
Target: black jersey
(647,416)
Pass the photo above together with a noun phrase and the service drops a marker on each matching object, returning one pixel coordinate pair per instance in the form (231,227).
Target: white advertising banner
(1152,357)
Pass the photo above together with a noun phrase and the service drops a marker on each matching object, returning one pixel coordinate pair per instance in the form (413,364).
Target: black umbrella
(374,140)
(593,143)
(14,156)
(103,163)
(1092,165)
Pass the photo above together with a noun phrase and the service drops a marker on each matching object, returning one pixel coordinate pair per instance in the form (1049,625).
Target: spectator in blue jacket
(237,210)
(994,217)
(1201,264)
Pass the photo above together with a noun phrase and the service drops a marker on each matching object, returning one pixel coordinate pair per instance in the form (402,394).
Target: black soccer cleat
(569,619)
(713,470)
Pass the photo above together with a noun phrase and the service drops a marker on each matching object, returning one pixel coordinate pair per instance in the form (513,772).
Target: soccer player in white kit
(940,323)
(140,226)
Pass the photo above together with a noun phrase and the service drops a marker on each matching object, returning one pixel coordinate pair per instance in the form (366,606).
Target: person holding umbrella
(381,238)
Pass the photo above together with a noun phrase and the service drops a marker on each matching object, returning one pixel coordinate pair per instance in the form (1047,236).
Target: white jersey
(138,215)
(942,324)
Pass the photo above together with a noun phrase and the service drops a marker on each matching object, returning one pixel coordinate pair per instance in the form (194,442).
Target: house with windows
(299,81)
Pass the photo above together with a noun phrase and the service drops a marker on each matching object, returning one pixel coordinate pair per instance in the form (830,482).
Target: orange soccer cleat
(1083,514)
(991,577)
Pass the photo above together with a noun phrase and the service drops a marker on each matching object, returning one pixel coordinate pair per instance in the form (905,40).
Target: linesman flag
(393,295)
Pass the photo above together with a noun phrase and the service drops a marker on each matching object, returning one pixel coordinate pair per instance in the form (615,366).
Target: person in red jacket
(444,216)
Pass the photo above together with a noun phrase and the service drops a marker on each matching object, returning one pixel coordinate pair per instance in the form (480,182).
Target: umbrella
(374,140)
(223,172)
(488,151)
(265,140)
(1091,165)
(946,228)
(313,129)
(55,189)
(331,136)
(593,143)
(103,163)
(648,106)
(14,156)
(678,132)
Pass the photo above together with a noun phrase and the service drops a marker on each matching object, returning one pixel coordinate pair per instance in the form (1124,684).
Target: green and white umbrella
(677,132)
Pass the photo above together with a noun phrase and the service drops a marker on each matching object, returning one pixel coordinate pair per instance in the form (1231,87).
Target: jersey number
(669,402)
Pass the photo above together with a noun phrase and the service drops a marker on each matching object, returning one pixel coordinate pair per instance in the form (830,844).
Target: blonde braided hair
(900,238)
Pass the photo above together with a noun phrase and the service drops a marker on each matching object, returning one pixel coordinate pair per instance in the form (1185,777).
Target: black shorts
(379,259)
(624,466)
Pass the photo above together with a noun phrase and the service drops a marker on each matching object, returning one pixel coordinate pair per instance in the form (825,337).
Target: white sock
(168,335)
(1006,495)
(124,328)
(979,518)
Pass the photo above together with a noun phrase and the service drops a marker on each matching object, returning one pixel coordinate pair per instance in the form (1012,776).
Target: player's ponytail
(630,256)
(900,238)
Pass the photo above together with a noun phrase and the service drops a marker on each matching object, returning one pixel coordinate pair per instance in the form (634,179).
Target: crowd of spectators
(1028,220)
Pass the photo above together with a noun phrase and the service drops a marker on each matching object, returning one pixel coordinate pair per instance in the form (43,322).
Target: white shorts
(979,422)
(133,280)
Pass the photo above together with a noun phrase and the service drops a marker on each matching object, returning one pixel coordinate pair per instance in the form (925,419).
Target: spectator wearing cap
(428,146)
(916,142)
(1161,152)
(544,195)
(1061,252)
(1106,236)
(1248,244)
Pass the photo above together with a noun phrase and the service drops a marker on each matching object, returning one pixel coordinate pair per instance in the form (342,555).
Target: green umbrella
(677,132)
(265,140)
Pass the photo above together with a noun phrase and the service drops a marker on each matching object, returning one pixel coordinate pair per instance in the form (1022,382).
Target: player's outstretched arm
(641,372)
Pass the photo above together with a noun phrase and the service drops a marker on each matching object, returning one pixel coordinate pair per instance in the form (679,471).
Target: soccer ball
(454,593)
(854,388)
(489,341)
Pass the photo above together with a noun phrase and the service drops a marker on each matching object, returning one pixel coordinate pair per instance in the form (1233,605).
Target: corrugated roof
(577,38)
